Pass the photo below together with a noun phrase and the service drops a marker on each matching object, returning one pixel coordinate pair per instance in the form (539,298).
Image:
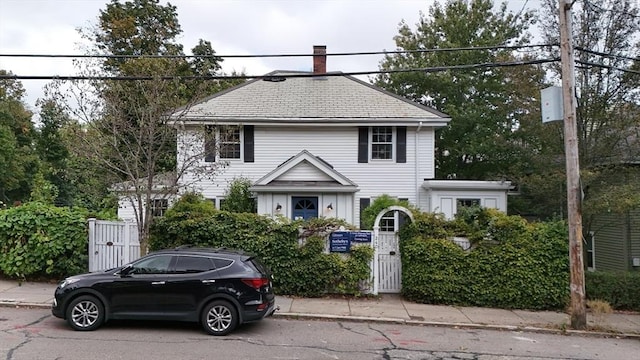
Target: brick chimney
(319,59)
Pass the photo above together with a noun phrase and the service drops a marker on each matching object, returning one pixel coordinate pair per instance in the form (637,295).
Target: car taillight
(256,283)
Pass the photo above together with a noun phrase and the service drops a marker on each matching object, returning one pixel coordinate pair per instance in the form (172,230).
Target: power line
(111,56)
(623,57)
(279,76)
(587,63)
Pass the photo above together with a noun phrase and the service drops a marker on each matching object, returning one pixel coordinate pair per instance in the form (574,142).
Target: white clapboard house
(321,144)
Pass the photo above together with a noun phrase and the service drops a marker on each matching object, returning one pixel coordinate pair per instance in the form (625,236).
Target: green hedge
(38,240)
(304,270)
(512,265)
(620,289)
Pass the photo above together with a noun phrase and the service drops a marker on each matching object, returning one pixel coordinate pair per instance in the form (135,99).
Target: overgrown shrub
(238,198)
(514,265)
(190,206)
(42,240)
(304,270)
(380,203)
(620,289)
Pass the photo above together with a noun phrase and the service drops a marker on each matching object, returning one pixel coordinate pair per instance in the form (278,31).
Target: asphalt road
(30,334)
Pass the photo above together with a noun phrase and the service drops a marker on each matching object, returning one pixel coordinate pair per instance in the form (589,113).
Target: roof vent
(274,78)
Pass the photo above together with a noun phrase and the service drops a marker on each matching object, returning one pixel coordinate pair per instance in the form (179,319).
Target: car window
(193,264)
(222,263)
(152,265)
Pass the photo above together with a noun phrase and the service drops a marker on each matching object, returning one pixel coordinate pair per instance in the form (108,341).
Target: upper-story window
(387,143)
(222,143)
(382,143)
(229,142)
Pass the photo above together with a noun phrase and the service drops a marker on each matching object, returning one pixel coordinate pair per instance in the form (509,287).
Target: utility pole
(574,193)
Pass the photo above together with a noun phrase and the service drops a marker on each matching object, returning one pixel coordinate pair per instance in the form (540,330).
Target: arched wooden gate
(387,268)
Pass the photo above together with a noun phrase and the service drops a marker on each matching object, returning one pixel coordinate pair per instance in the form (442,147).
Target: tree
(238,198)
(129,126)
(606,35)
(18,161)
(484,103)
(53,151)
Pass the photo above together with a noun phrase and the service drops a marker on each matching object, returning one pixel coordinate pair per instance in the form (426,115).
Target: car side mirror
(126,270)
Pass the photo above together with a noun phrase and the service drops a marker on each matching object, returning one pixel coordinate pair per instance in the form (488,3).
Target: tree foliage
(486,105)
(18,160)
(126,127)
(53,151)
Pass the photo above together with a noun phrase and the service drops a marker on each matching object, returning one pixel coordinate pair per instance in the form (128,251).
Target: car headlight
(67,282)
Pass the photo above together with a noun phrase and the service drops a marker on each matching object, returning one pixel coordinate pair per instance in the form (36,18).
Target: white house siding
(305,171)
(125,208)
(445,202)
(126,205)
(338,146)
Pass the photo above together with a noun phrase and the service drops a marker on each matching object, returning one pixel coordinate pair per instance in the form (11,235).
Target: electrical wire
(587,63)
(622,57)
(111,56)
(276,76)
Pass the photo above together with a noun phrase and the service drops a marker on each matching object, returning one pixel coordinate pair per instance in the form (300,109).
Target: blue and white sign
(340,242)
(361,236)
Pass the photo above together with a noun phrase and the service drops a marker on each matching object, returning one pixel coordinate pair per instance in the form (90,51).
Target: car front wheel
(85,313)
(219,318)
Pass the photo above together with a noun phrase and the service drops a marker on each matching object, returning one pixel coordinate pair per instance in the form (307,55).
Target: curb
(10,303)
(599,334)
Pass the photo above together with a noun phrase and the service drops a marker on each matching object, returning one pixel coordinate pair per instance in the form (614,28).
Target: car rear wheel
(85,313)
(219,318)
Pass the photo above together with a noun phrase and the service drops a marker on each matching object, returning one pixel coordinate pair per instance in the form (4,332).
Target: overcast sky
(232,27)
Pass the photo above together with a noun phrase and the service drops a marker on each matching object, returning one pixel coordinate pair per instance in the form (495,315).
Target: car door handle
(157,283)
(208,281)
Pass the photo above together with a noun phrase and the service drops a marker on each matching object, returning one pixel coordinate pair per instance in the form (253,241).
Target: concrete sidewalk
(390,309)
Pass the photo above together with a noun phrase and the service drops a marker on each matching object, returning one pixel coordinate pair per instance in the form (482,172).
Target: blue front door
(304,208)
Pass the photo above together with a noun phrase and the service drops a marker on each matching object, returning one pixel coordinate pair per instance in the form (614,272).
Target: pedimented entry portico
(305,186)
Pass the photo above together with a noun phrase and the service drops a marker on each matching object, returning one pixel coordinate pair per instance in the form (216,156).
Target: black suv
(217,287)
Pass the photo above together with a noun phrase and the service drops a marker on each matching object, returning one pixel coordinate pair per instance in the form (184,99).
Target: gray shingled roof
(330,98)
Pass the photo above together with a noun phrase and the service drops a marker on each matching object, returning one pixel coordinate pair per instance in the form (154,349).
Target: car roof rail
(186,246)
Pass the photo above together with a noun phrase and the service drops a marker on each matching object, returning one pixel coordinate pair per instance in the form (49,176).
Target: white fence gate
(112,244)
(389,264)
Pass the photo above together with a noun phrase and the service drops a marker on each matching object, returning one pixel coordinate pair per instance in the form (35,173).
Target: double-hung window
(386,143)
(222,143)
(229,142)
(159,207)
(382,143)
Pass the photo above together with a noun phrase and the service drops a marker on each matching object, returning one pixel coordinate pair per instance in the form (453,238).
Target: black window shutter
(248,144)
(210,144)
(364,203)
(363,144)
(403,217)
(401,145)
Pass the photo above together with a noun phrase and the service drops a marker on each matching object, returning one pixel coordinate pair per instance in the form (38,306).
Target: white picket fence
(112,243)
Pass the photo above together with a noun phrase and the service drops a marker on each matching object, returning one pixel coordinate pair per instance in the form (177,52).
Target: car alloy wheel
(85,313)
(219,318)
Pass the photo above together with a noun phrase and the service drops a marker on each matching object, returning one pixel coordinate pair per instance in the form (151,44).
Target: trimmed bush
(39,240)
(512,265)
(620,289)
